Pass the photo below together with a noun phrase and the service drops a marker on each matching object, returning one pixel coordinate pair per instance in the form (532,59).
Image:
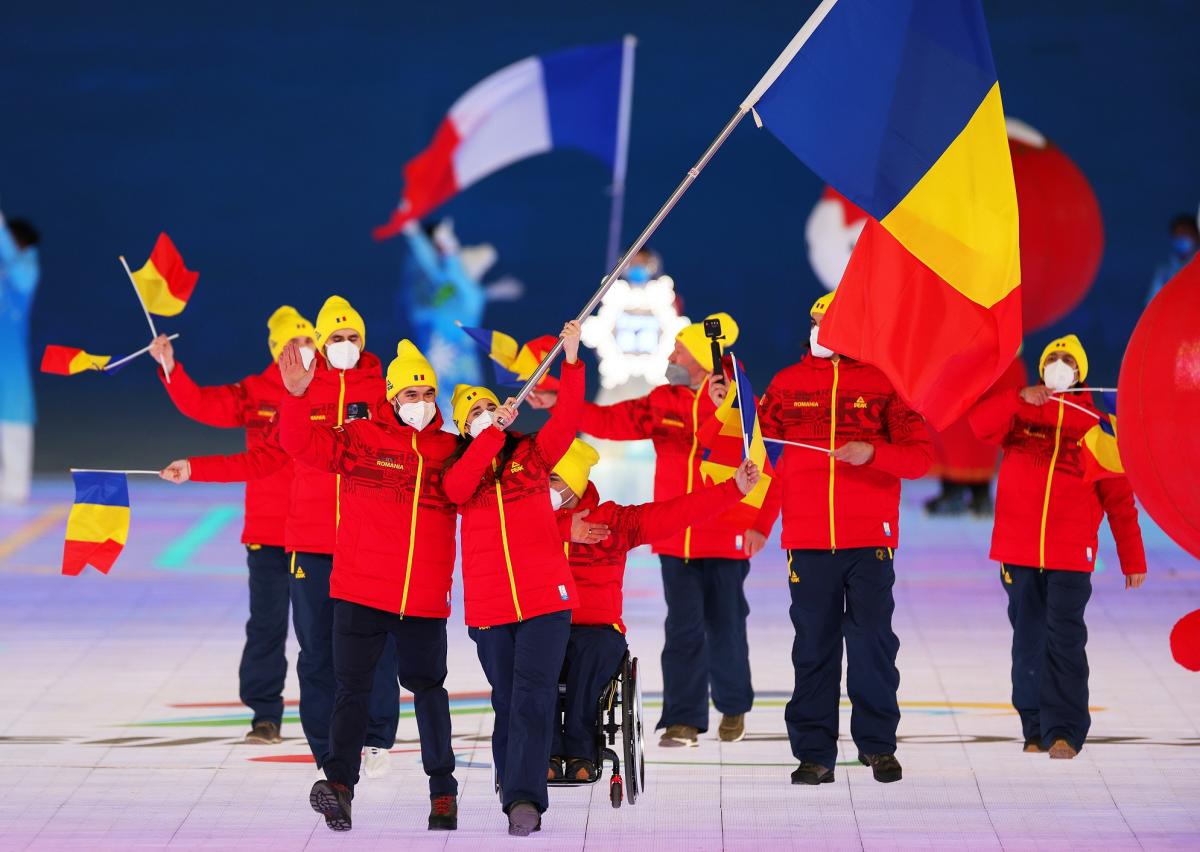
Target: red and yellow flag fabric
(99,521)
(513,363)
(164,283)
(912,131)
(68,360)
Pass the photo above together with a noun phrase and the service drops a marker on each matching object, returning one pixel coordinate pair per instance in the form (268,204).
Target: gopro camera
(357,411)
(712,329)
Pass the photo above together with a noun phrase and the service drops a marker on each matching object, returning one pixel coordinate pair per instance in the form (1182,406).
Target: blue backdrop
(267,138)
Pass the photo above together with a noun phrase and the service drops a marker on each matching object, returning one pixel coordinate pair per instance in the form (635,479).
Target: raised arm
(316,445)
(461,479)
(556,436)
(625,421)
(991,418)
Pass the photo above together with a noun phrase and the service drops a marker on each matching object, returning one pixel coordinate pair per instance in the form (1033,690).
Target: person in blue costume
(442,283)
(18,281)
(1185,241)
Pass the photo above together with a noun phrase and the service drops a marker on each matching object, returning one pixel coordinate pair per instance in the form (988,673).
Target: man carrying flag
(840,530)
(1048,510)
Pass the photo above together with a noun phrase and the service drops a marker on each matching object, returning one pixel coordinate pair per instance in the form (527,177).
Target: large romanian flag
(513,363)
(164,283)
(99,521)
(68,360)
(896,105)
(1098,446)
(733,430)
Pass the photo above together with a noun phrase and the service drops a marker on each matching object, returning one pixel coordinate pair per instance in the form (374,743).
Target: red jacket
(1047,515)
(395,543)
(670,416)
(313,511)
(599,569)
(829,504)
(252,404)
(512,555)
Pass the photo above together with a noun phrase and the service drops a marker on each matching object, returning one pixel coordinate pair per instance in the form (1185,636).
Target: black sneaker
(524,819)
(884,767)
(981,502)
(443,813)
(812,773)
(580,769)
(333,802)
(555,770)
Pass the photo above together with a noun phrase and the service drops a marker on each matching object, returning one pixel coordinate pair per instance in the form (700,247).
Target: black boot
(981,500)
(949,503)
(884,767)
(332,801)
(812,773)
(443,813)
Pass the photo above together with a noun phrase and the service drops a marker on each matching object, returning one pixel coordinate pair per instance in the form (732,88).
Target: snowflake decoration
(634,331)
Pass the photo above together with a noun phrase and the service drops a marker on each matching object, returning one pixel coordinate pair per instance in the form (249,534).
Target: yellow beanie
(285,325)
(693,339)
(821,305)
(464,397)
(1070,344)
(336,313)
(409,368)
(576,465)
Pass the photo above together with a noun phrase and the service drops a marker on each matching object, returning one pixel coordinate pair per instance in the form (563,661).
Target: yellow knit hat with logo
(821,305)
(693,339)
(576,466)
(285,325)
(336,313)
(408,369)
(1070,344)
(463,398)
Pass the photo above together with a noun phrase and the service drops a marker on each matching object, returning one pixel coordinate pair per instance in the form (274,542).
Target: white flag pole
(145,310)
(1088,390)
(737,389)
(824,450)
(1086,411)
(621,159)
(132,355)
(98,470)
(772,74)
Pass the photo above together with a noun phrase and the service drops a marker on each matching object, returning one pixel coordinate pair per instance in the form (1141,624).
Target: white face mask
(556,498)
(342,355)
(307,353)
(482,420)
(816,348)
(1058,376)
(416,414)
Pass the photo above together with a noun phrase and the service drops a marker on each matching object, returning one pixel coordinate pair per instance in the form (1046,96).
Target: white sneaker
(375,762)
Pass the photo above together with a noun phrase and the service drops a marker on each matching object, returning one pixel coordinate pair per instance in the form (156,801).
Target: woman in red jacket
(252,404)
(347,386)
(393,565)
(517,585)
(597,641)
(1048,512)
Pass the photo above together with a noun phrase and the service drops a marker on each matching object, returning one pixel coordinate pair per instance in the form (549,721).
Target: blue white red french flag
(574,98)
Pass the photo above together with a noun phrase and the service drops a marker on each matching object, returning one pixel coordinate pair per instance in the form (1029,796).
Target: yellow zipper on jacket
(412,527)
(341,413)
(512,580)
(1049,480)
(832,461)
(687,533)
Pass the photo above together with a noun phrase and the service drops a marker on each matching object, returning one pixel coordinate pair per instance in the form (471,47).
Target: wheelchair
(619,711)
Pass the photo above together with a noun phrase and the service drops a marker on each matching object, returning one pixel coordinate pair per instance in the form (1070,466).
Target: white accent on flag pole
(824,450)
(737,389)
(131,356)
(1088,390)
(624,118)
(145,310)
(1087,411)
(789,53)
(98,470)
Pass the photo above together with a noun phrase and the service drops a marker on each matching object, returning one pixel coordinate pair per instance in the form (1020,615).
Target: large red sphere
(1185,641)
(1158,408)
(1062,235)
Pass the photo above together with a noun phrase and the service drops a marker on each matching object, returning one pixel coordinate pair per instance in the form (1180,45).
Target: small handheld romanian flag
(1101,458)
(67,360)
(99,522)
(733,429)
(164,283)
(511,362)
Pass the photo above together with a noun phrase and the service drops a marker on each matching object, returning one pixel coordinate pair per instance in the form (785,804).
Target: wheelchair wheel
(615,793)
(631,731)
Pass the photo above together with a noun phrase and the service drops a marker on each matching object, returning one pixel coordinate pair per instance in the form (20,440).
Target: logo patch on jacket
(516,467)
(562,592)
(389,463)
(860,403)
